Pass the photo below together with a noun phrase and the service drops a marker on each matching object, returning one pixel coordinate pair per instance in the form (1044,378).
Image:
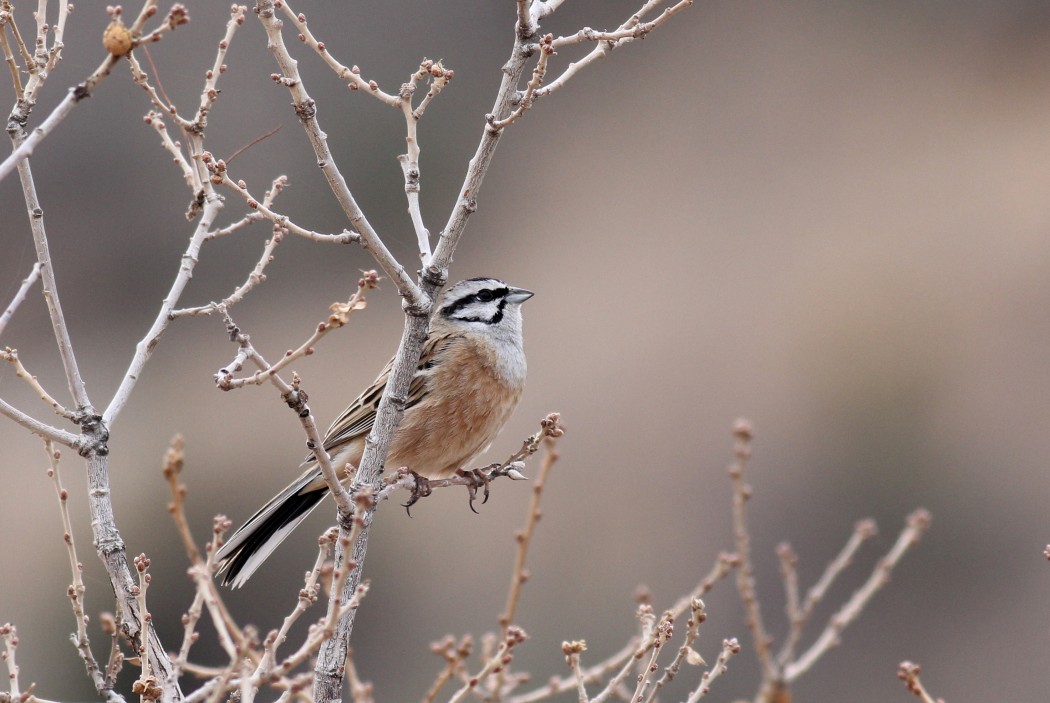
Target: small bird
(468,382)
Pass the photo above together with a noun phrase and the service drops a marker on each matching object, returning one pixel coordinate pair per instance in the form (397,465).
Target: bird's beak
(518,295)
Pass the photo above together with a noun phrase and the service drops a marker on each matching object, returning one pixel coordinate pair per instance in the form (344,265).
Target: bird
(467,383)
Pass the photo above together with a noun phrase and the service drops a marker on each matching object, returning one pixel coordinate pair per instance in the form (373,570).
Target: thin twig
(729,648)
(909,674)
(496,662)
(144,349)
(9,633)
(254,278)
(352,74)
(74,382)
(340,316)
(174,458)
(211,92)
(917,523)
(745,578)
(645,643)
(307,113)
(455,655)
(532,516)
(39,428)
(77,588)
(685,652)
(11,356)
(261,138)
(538,73)
(22,48)
(6,18)
(307,596)
(28,142)
(263,209)
(862,531)
(633,28)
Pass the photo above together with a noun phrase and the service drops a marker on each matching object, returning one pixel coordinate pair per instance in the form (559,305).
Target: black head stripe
(494,320)
(456,305)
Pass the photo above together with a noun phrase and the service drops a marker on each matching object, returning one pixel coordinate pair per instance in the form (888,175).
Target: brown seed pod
(117,39)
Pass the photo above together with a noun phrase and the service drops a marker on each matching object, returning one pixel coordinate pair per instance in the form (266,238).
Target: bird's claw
(422,489)
(475,478)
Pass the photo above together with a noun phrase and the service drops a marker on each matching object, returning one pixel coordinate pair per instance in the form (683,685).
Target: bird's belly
(437,437)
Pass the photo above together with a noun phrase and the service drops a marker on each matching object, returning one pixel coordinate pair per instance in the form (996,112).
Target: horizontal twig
(39,428)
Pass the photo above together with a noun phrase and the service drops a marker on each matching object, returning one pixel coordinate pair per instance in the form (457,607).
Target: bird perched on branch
(468,381)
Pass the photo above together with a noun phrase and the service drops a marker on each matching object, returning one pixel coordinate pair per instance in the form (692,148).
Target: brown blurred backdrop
(830,218)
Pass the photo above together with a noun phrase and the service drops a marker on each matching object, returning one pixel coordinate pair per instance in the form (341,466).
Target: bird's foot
(475,478)
(422,489)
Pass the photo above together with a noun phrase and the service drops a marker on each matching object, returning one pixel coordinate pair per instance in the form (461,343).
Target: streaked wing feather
(359,417)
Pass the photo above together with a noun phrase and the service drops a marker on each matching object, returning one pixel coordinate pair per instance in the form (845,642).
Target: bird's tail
(253,541)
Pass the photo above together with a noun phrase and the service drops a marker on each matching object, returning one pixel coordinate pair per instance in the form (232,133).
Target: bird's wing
(359,417)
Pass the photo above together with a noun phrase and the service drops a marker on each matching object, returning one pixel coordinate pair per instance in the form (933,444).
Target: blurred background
(829,218)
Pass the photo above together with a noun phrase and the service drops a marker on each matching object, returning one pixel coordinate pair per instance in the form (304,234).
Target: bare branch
(39,428)
(501,658)
(525,102)
(76,590)
(454,655)
(144,349)
(729,648)
(593,674)
(440,77)
(211,93)
(58,322)
(340,316)
(542,8)
(646,642)
(862,531)
(918,522)
(27,283)
(307,597)
(633,28)
(524,537)
(23,50)
(219,168)
(11,356)
(909,674)
(254,278)
(353,74)
(17,122)
(9,58)
(190,174)
(306,110)
(745,579)
(9,633)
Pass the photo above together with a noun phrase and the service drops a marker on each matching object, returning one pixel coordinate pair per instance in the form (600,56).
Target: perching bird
(468,381)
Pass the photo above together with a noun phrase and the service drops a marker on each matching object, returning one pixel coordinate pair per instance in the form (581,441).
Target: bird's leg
(422,489)
(475,478)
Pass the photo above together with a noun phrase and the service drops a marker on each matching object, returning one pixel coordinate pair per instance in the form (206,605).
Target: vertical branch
(111,550)
(306,110)
(466,202)
(329,668)
(524,537)
(9,57)
(77,589)
(58,322)
(745,578)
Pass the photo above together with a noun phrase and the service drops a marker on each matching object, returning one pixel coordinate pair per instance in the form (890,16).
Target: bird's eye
(485,296)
